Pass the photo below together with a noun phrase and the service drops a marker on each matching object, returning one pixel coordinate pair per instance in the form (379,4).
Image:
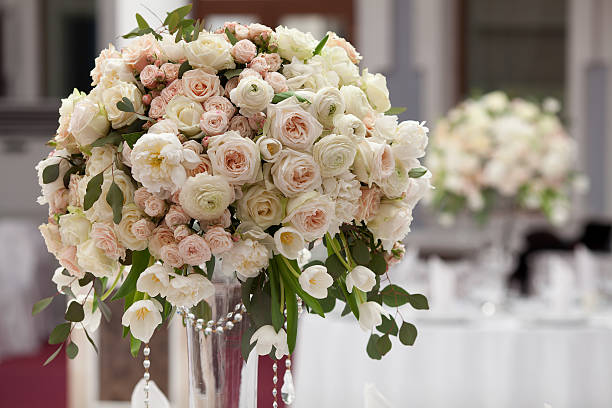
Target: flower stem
(282,296)
(110,290)
(349,257)
(333,242)
(288,264)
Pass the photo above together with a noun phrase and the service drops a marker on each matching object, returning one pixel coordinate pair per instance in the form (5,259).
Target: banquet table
(488,362)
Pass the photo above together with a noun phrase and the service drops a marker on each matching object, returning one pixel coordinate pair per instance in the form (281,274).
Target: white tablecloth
(494,364)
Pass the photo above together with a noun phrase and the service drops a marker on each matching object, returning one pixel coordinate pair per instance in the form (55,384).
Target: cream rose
(74,228)
(373,162)
(199,85)
(219,240)
(292,125)
(334,154)
(252,95)
(88,122)
(262,206)
(131,214)
(295,172)
(206,197)
(234,157)
(375,87)
(214,123)
(356,101)
(210,51)
(116,93)
(294,43)
(93,259)
(185,113)
(311,214)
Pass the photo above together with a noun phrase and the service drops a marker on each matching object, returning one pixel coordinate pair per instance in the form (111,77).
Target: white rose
(262,206)
(294,43)
(48,189)
(116,93)
(334,154)
(370,315)
(327,104)
(362,278)
(159,162)
(252,95)
(247,258)
(172,50)
(375,87)
(130,215)
(92,259)
(356,101)
(205,197)
(186,113)
(269,148)
(188,291)
(350,125)
(295,172)
(143,317)
(315,281)
(74,228)
(391,223)
(289,242)
(291,125)
(210,51)
(234,157)
(101,159)
(373,162)
(311,214)
(411,141)
(88,122)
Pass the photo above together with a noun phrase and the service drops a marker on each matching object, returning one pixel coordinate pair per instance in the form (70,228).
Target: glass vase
(218,375)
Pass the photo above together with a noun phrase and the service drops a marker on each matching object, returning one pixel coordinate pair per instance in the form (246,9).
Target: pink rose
(147,99)
(221,103)
(241,125)
(199,85)
(369,203)
(181,232)
(248,72)
(274,61)
(175,88)
(143,228)
(244,51)
(214,123)
(150,75)
(161,236)
(311,214)
(219,240)
(68,259)
(176,216)
(260,65)
(277,81)
(335,41)
(140,52)
(194,146)
(224,221)
(154,206)
(58,201)
(73,190)
(257,121)
(170,71)
(295,172)
(158,107)
(171,255)
(292,125)
(104,238)
(53,240)
(234,157)
(204,167)
(229,85)
(194,250)
(259,33)
(141,196)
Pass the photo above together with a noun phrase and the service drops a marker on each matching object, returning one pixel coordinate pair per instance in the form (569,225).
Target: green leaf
(417,172)
(275,306)
(320,45)
(230,36)
(106,311)
(142,23)
(59,333)
(246,346)
(383,345)
(91,340)
(279,97)
(334,266)
(210,267)
(125,105)
(114,198)
(98,287)
(230,73)
(408,333)
(246,292)
(292,316)
(388,326)
(377,264)
(68,292)
(350,298)
(180,13)
(75,312)
(140,261)
(50,173)
(372,349)
(71,171)
(113,138)
(328,304)
(418,301)
(185,66)
(293,283)
(41,305)
(394,296)
(93,191)
(52,356)
(361,253)
(72,350)
(131,138)
(134,346)
(395,111)
(89,277)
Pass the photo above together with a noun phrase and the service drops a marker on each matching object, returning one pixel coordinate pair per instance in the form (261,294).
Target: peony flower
(116,93)
(269,148)
(171,255)
(188,291)
(370,315)
(154,280)
(214,123)
(105,238)
(130,215)
(362,278)
(295,172)
(334,154)
(247,258)
(252,95)
(194,250)
(88,122)
(289,242)
(328,103)
(266,337)
(93,259)
(74,228)
(375,87)
(391,223)
(234,157)
(154,206)
(206,197)
(294,43)
(210,51)
(373,162)
(311,214)
(159,162)
(199,85)
(241,125)
(220,103)
(142,229)
(277,81)
(292,125)
(160,237)
(356,101)
(219,240)
(143,317)
(315,281)
(185,113)
(411,141)
(244,51)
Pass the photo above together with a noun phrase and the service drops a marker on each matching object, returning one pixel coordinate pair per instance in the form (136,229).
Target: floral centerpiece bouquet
(493,147)
(245,146)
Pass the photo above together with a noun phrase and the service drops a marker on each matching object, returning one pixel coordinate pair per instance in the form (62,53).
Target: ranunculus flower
(334,154)
(328,103)
(220,103)
(315,281)
(375,87)
(370,315)
(356,101)
(185,113)
(214,123)
(295,172)
(234,157)
(391,223)
(311,214)
(74,228)
(88,122)
(116,93)
(154,280)
(194,250)
(247,258)
(292,125)
(143,317)
(219,240)
(199,85)
(93,259)
(289,242)
(294,43)
(210,51)
(131,214)
(206,197)
(241,125)
(188,291)
(350,125)
(244,51)
(266,337)
(362,278)
(373,162)
(105,238)
(171,255)
(252,95)
(260,205)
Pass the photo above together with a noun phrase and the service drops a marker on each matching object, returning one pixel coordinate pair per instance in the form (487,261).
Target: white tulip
(143,317)
(362,278)
(154,280)
(370,315)
(315,281)
(266,337)
(289,242)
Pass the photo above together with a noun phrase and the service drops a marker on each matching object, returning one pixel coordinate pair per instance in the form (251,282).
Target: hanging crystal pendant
(288,390)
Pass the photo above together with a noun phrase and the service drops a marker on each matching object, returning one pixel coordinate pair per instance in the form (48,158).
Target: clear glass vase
(218,375)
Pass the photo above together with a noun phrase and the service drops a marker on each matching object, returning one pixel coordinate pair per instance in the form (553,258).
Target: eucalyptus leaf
(361,253)
(105,309)
(417,172)
(75,312)
(372,348)
(395,111)
(125,105)
(334,266)
(131,138)
(72,350)
(41,305)
(388,326)
(142,23)
(113,138)
(395,296)
(50,173)
(93,191)
(91,340)
(231,73)
(408,333)
(70,172)
(384,345)
(418,301)
(52,356)
(59,333)
(320,45)
(114,198)
(377,264)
